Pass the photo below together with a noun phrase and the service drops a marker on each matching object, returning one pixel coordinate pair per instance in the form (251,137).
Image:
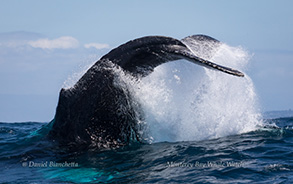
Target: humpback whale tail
(142,55)
(98,111)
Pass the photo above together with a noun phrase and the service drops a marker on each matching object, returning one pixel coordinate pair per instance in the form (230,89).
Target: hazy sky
(42,43)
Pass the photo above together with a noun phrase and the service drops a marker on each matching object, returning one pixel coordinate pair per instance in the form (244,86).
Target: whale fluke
(98,111)
(141,56)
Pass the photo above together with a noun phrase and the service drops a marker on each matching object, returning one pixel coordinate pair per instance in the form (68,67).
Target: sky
(43,44)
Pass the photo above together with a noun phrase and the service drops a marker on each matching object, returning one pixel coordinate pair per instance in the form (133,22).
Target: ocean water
(264,155)
(201,126)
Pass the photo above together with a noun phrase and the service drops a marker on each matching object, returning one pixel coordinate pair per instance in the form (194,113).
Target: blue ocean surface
(261,156)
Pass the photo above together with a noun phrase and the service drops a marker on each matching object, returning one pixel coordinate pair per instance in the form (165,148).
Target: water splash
(80,71)
(183,101)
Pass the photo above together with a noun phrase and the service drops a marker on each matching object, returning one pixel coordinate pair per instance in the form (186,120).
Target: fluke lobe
(98,111)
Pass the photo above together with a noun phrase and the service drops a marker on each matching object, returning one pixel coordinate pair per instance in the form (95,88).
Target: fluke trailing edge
(97,111)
